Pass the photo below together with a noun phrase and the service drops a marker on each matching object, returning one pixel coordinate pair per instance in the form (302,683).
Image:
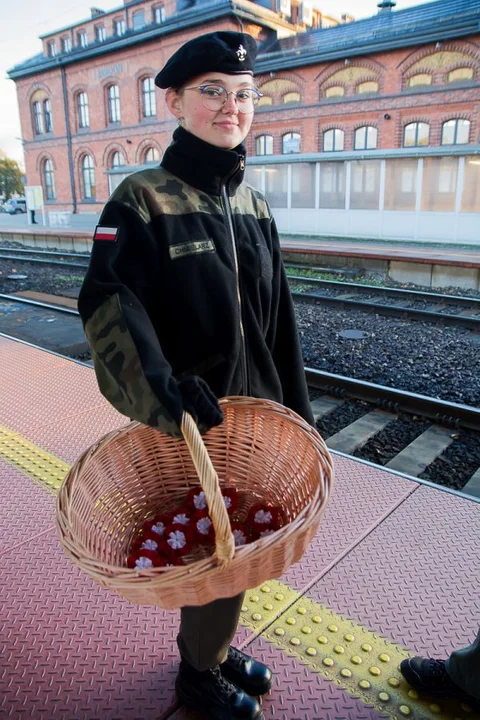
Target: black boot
(210,693)
(252,676)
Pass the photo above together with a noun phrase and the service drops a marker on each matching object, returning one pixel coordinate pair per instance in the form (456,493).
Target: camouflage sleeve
(131,370)
(283,338)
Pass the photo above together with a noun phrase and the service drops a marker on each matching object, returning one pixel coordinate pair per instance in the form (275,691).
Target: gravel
(421,357)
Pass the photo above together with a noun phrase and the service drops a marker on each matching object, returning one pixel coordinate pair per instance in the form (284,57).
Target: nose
(230,103)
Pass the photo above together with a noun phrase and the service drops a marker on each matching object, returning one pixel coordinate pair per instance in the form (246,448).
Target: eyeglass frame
(227,93)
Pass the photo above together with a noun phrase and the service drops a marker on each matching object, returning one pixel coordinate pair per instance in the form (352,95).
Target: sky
(25,20)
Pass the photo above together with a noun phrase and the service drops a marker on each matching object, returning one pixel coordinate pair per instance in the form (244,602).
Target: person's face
(226,127)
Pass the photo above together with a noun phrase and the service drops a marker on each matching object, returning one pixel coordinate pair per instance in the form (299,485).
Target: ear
(174,102)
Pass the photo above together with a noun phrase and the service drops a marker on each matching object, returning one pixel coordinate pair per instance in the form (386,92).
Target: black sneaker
(431,677)
(252,676)
(212,694)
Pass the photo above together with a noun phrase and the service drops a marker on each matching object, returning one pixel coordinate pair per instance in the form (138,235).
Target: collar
(204,166)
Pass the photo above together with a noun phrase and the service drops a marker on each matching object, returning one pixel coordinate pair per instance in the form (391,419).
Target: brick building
(400,86)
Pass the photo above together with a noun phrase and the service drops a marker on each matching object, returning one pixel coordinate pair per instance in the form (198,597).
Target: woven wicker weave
(267,452)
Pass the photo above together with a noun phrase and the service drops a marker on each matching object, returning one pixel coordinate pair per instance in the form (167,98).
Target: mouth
(227,125)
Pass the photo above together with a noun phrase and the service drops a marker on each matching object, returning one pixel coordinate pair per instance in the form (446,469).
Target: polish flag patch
(106,234)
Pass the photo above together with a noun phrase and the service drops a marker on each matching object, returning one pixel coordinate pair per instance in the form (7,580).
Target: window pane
(138,19)
(367,87)
(159,14)
(291,97)
(88,176)
(253,176)
(335,91)
(113,103)
(264,145)
(420,79)
(439,184)
(276,185)
(332,185)
(460,74)
(47,111)
(303,185)
(117,159)
(48,180)
(148,97)
(401,184)
(291,143)
(471,185)
(463,131)
(83,119)
(365,185)
(151,155)
(38,118)
(448,132)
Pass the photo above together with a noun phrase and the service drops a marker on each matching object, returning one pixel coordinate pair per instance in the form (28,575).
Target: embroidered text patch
(191,248)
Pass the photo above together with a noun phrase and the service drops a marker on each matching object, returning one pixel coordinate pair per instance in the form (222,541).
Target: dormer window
(51,48)
(100,33)
(158,14)
(66,44)
(119,27)
(82,40)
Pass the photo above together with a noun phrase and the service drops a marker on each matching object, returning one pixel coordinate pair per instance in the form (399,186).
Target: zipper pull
(242,162)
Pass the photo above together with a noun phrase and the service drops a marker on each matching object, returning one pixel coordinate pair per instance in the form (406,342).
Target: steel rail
(470,323)
(64,263)
(389,292)
(38,303)
(45,252)
(396,400)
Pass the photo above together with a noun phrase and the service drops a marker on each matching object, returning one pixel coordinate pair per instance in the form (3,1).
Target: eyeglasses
(215,97)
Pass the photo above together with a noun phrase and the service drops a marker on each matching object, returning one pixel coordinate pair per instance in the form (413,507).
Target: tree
(10,177)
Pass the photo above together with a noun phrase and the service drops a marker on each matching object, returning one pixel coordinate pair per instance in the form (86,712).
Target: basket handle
(224,541)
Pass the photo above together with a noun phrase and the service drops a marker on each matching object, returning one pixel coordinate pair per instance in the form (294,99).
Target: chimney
(386,5)
(95,12)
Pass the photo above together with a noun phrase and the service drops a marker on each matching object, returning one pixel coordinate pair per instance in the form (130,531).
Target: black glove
(200,402)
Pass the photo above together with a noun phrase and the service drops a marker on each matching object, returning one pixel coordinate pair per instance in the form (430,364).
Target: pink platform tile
(69,437)
(415,579)
(27,510)
(73,650)
(298,692)
(361,498)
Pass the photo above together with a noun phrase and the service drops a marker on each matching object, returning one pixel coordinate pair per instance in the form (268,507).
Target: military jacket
(186,278)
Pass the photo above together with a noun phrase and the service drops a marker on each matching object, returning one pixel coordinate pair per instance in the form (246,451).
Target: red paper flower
(230,498)
(179,539)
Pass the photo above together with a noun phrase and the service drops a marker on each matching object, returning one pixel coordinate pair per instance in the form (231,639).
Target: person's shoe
(431,677)
(252,676)
(212,694)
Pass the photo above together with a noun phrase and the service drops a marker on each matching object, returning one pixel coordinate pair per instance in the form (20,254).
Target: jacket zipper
(228,214)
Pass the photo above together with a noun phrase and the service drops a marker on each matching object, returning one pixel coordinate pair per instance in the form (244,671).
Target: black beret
(224,51)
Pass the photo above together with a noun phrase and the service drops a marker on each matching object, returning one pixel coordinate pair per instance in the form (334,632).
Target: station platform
(393,571)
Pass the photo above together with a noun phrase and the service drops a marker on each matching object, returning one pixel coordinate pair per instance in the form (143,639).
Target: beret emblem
(241,53)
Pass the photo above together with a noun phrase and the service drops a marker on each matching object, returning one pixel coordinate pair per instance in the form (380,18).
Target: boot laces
(436,669)
(222,683)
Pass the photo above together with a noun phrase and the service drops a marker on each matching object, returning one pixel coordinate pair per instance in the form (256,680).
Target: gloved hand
(200,402)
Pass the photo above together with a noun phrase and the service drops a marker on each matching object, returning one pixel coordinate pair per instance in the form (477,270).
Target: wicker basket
(135,472)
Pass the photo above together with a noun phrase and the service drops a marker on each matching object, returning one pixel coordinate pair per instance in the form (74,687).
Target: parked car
(15,206)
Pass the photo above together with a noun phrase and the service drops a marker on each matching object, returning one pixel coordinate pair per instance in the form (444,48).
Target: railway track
(430,428)
(45,257)
(440,308)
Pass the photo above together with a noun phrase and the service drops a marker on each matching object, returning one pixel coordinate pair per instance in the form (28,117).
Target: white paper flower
(181,518)
(177,540)
(158,528)
(239,537)
(149,545)
(142,563)
(204,525)
(200,501)
(264,533)
(263,517)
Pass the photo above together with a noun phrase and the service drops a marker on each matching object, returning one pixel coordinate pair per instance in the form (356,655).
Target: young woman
(186,301)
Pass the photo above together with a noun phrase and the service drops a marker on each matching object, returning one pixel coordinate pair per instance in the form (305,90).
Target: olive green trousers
(207,631)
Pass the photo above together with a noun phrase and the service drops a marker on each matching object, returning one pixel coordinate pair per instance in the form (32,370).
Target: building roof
(387,30)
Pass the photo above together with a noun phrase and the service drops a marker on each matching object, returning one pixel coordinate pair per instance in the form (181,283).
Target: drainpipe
(69,138)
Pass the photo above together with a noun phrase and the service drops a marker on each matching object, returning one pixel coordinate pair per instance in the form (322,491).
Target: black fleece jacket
(189,280)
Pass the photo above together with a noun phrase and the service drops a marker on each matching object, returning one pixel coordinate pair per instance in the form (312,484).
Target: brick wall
(310,117)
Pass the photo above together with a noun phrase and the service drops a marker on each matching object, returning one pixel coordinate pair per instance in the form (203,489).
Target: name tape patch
(105,234)
(191,248)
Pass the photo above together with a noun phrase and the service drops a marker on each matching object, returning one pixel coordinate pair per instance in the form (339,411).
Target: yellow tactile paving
(362,663)
(43,467)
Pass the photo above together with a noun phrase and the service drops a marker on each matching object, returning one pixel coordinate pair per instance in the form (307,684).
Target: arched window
(265,100)
(113,95)
(333,140)
(291,97)
(117,159)
(149,108)
(291,143)
(264,145)
(38,121)
(48,181)
(455,132)
(416,134)
(365,138)
(82,110)
(151,155)
(370,86)
(88,177)
(460,74)
(335,91)
(47,112)
(419,79)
